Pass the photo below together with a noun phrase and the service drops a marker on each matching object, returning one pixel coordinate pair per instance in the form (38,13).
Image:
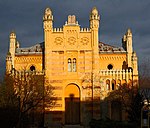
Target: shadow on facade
(113,107)
(80,113)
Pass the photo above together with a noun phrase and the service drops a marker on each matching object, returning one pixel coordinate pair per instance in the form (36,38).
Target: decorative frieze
(58,41)
(71,40)
(112,58)
(84,41)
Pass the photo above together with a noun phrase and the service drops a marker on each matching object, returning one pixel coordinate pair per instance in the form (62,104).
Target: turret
(48,29)
(12,46)
(17,44)
(129,41)
(127,45)
(94,26)
(48,19)
(135,64)
(94,19)
(8,63)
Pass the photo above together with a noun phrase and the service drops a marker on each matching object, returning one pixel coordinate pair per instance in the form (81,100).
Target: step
(73,126)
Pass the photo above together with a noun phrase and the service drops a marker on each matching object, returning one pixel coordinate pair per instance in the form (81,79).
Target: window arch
(69,65)
(123,82)
(130,83)
(118,83)
(113,84)
(124,65)
(107,84)
(74,67)
(32,68)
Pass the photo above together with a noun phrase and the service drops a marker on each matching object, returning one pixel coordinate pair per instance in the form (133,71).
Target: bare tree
(144,80)
(9,104)
(31,91)
(130,99)
(144,74)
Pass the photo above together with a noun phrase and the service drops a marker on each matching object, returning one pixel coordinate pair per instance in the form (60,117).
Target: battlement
(58,30)
(85,30)
(81,30)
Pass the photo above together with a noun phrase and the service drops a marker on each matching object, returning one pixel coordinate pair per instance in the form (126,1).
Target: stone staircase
(73,126)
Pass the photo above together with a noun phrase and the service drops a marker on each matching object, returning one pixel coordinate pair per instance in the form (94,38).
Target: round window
(110,66)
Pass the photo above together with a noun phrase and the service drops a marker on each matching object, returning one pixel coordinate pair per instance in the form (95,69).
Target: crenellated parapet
(85,30)
(57,29)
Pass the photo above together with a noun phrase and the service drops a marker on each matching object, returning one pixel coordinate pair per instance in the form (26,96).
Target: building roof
(36,49)
(105,48)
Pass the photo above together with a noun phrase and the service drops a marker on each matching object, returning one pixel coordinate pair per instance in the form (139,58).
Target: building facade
(82,69)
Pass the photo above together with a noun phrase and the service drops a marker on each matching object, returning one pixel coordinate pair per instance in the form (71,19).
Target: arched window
(113,85)
(74,67)
(124,65)
(118,83)
(69,65)
(32,68)
(107,84)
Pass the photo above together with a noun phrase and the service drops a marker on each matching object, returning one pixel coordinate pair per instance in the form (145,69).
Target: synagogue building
(82,69)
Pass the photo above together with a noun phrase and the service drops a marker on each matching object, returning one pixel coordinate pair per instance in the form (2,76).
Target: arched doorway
(116,110)
(72,104)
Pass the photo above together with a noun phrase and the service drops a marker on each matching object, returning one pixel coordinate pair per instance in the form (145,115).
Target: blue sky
(25,18)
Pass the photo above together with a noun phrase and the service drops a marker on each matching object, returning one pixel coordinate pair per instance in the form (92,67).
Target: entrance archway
(116,110)
(72,104)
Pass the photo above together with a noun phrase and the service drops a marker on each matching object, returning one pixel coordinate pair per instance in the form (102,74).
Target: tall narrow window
(113,87)
(74,68)
(107,84)
(69,65)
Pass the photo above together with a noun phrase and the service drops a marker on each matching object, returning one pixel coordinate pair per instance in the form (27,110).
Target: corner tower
(12,46)
(127,45)
(48,19)
(48,29)
(8,63)
(94,26)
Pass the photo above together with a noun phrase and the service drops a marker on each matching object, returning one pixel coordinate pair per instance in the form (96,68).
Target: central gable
(71,36)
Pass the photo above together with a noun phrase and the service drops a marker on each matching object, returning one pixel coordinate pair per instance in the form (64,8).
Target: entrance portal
(72,104)
(116,111)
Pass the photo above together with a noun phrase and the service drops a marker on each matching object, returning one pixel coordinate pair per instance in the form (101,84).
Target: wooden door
(72,110)
(116,111)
